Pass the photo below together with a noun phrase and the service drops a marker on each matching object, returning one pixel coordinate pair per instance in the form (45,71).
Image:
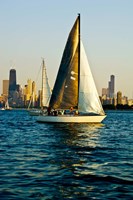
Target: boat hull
(70,119)
(34,112)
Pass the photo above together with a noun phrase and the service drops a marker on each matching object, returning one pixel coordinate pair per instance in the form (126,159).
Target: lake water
(66,161)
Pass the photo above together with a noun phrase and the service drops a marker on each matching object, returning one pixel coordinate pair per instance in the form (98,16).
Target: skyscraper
(12,82)
(5,87)
(111,86)
(29,84)
(33,93)
(119,97)
(104,92)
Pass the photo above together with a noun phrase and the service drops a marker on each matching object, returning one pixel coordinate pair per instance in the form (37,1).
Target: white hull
(6,109)
(2,109)
(34,112)
(70,119)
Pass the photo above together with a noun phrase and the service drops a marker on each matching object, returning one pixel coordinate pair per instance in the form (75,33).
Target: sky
(32,29)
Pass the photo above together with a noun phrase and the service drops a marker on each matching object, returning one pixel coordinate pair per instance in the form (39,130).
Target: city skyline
(109,91)
(28,96)
(34,29)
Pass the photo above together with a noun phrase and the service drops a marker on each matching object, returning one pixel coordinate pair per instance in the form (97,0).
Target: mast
(78,57)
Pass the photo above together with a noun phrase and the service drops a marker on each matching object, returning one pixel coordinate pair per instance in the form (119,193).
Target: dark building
(111,87)
(12,80)
(14,91)
(12,86)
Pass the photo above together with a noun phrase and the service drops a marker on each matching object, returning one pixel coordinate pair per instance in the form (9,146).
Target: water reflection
(78,134)
(74,156)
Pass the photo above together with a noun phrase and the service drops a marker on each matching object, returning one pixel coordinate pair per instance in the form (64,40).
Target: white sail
(88,96)
(46,93)
(7,105)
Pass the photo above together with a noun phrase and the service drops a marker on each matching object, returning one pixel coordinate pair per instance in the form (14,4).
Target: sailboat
(74,91)
(45,93)
(7,107)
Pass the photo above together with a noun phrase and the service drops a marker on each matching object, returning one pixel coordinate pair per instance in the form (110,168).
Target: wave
(98,178)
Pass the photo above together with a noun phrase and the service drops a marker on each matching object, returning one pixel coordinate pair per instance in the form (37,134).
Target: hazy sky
(31,29)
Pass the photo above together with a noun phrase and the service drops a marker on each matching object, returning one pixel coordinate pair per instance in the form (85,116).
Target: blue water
(71,161)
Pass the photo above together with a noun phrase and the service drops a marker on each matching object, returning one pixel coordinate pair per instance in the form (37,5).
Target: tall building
(30,93)
(29,84)
(12,82)
(5,88)
(33,87)
(104,92)
(119,97)
(111,87)
(33,93)
(124,100)
(130,102)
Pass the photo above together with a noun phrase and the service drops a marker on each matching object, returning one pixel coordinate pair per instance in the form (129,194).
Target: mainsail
(74,86)
(65,91)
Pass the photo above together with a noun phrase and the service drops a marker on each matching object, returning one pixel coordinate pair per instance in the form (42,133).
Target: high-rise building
(33,93)
(124,100)
(30,93)
(104,91)
(111,87)
(12,82)
(119,97)
(130,102)
(12,92)
(33,87)
(5,88)
(29,83)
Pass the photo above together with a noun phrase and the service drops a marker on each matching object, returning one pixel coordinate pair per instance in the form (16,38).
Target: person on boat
(71,110)
(76,112)
(55,112)
(49,110)
(61,112)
